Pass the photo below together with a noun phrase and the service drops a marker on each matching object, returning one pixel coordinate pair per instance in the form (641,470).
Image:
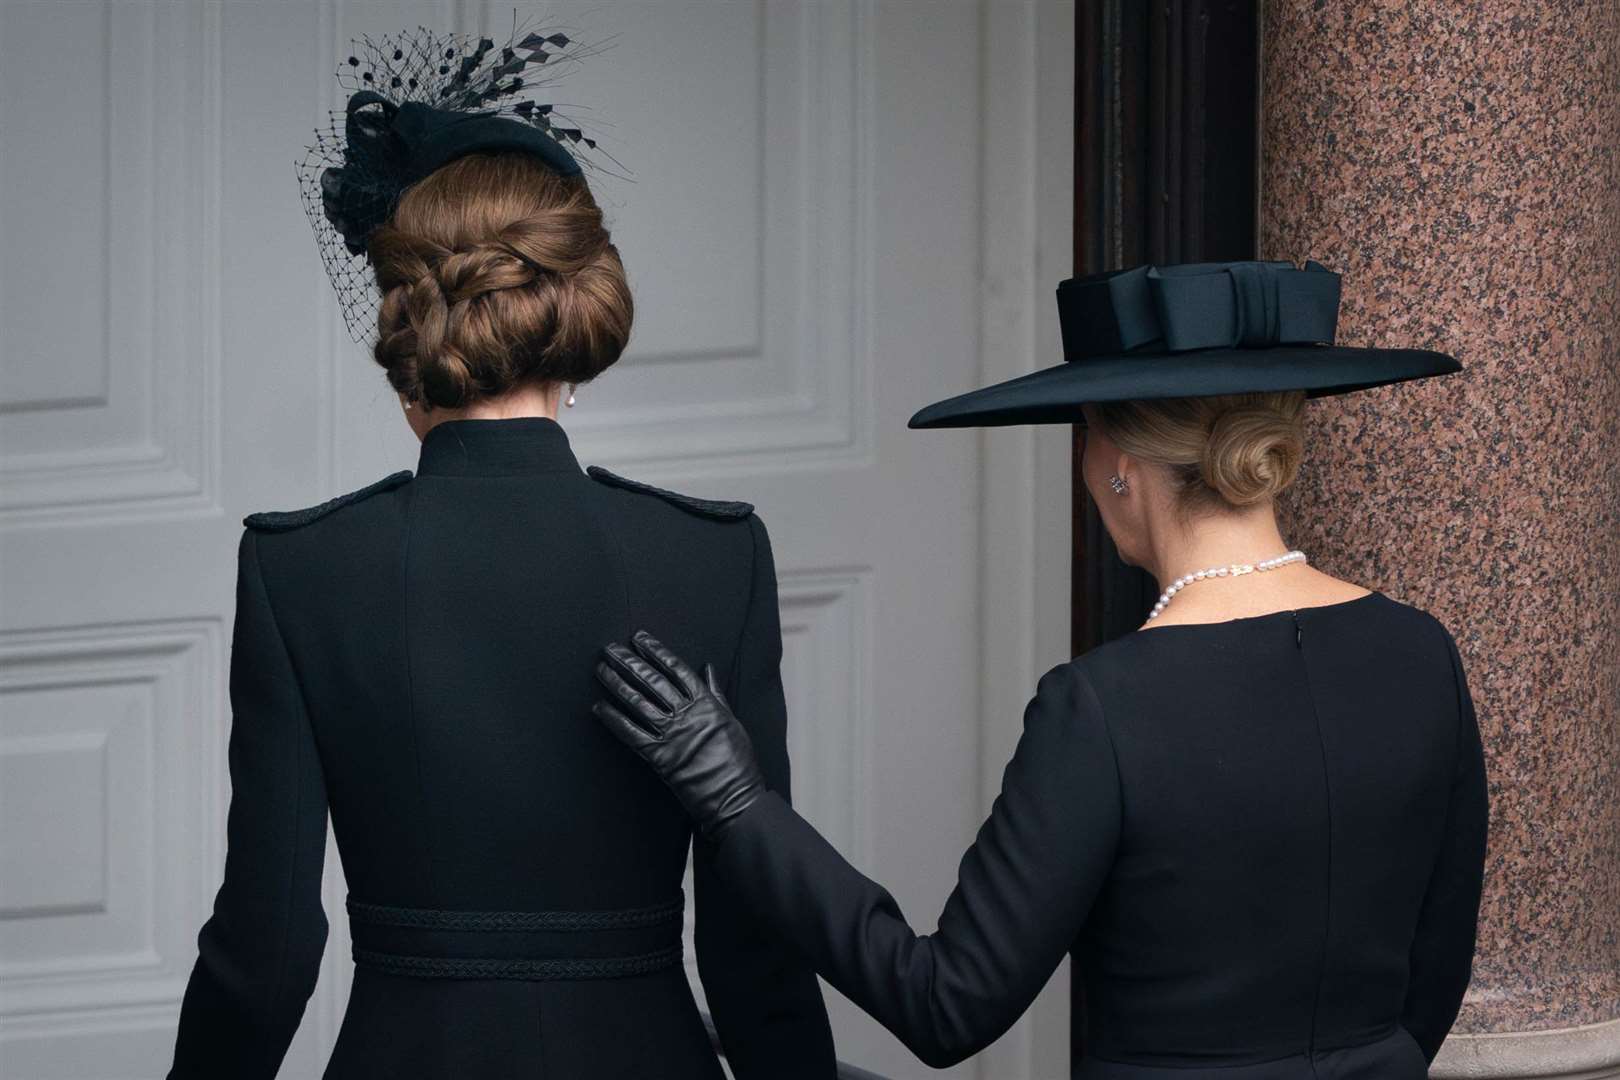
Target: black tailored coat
(1262,842)
(416,658)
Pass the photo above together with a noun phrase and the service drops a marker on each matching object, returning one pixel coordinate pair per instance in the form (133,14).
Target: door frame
(1026,155)
(1166,166)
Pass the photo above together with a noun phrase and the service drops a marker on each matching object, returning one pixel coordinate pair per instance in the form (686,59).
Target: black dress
(417,657)
(1261,841)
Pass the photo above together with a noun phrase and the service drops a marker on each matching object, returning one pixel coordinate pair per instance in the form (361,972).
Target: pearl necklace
(1229,570)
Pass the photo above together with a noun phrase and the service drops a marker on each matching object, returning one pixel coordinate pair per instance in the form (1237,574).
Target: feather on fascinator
(419,100)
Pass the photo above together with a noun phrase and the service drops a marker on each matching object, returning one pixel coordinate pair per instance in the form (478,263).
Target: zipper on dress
(1299,631)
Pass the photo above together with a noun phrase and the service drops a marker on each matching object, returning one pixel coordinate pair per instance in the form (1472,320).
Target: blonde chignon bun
(496,272)
(1233,449)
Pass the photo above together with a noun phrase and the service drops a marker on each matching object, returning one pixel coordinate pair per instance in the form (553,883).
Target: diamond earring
(1118,483)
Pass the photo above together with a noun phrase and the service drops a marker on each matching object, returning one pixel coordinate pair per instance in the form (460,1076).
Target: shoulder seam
(286,520)
(748,607)
(1079,673)
(1448,643)
(714,508)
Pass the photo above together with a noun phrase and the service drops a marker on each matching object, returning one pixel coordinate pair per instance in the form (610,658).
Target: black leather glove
(682,727)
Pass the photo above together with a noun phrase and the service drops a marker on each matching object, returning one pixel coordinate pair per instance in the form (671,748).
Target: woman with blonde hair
(1257,823)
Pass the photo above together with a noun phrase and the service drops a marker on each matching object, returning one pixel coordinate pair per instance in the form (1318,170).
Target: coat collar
(521,446)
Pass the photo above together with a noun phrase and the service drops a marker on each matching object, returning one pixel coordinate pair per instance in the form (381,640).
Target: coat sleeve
(1442,955)
(1023,889)
(259,955)
(764,997)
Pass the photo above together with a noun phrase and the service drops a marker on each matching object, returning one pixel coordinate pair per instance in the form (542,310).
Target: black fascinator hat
(417,101)
(1190,330)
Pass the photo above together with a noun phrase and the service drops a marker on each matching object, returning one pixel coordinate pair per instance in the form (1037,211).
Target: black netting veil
(413,99)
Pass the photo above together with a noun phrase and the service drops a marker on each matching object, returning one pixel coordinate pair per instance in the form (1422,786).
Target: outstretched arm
(1024,888)
(259,955)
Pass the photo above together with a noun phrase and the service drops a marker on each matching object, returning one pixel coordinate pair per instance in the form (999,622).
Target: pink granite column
(1459,162)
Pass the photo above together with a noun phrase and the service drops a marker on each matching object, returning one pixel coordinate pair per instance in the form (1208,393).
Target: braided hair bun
(496,272)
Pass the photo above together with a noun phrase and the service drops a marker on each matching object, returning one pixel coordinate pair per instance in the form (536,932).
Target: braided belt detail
(445,967)
(435,944)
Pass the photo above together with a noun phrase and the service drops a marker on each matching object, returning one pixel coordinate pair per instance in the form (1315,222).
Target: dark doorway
(1166,142)
(1166,134)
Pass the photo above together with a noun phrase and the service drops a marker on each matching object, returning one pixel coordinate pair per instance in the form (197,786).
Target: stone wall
(1459,163)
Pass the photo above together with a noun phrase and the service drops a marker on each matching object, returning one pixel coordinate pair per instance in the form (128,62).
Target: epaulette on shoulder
(283,520)
(714,508)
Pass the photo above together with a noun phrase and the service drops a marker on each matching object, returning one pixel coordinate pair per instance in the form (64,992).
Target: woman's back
(1260,840)
(448,658)
(1288,839)
(514,876)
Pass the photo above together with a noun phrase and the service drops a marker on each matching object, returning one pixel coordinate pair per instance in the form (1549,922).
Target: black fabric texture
(1261,841)
(1198,306)
(419,661)
(282,520)
(435,137)
(719,508)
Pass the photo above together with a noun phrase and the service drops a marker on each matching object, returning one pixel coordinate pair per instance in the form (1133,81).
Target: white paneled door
(828,203)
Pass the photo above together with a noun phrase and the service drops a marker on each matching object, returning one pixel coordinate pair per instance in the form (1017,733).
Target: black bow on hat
(1189,330)
(390,147)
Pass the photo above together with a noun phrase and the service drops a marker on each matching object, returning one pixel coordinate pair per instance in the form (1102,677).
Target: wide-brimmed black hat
(1190,330)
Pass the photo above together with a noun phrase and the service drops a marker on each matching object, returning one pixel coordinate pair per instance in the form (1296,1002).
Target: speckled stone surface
(1459,162)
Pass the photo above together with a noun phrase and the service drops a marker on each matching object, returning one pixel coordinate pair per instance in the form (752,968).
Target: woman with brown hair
(1257,823)
(515,880)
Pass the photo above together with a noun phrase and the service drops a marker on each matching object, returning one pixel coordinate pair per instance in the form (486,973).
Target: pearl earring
(570,402)
(1118,483)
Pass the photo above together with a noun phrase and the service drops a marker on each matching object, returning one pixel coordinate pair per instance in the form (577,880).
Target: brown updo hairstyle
(496,272)
(1224,451)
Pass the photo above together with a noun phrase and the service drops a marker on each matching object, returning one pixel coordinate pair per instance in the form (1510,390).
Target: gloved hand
(681,726)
